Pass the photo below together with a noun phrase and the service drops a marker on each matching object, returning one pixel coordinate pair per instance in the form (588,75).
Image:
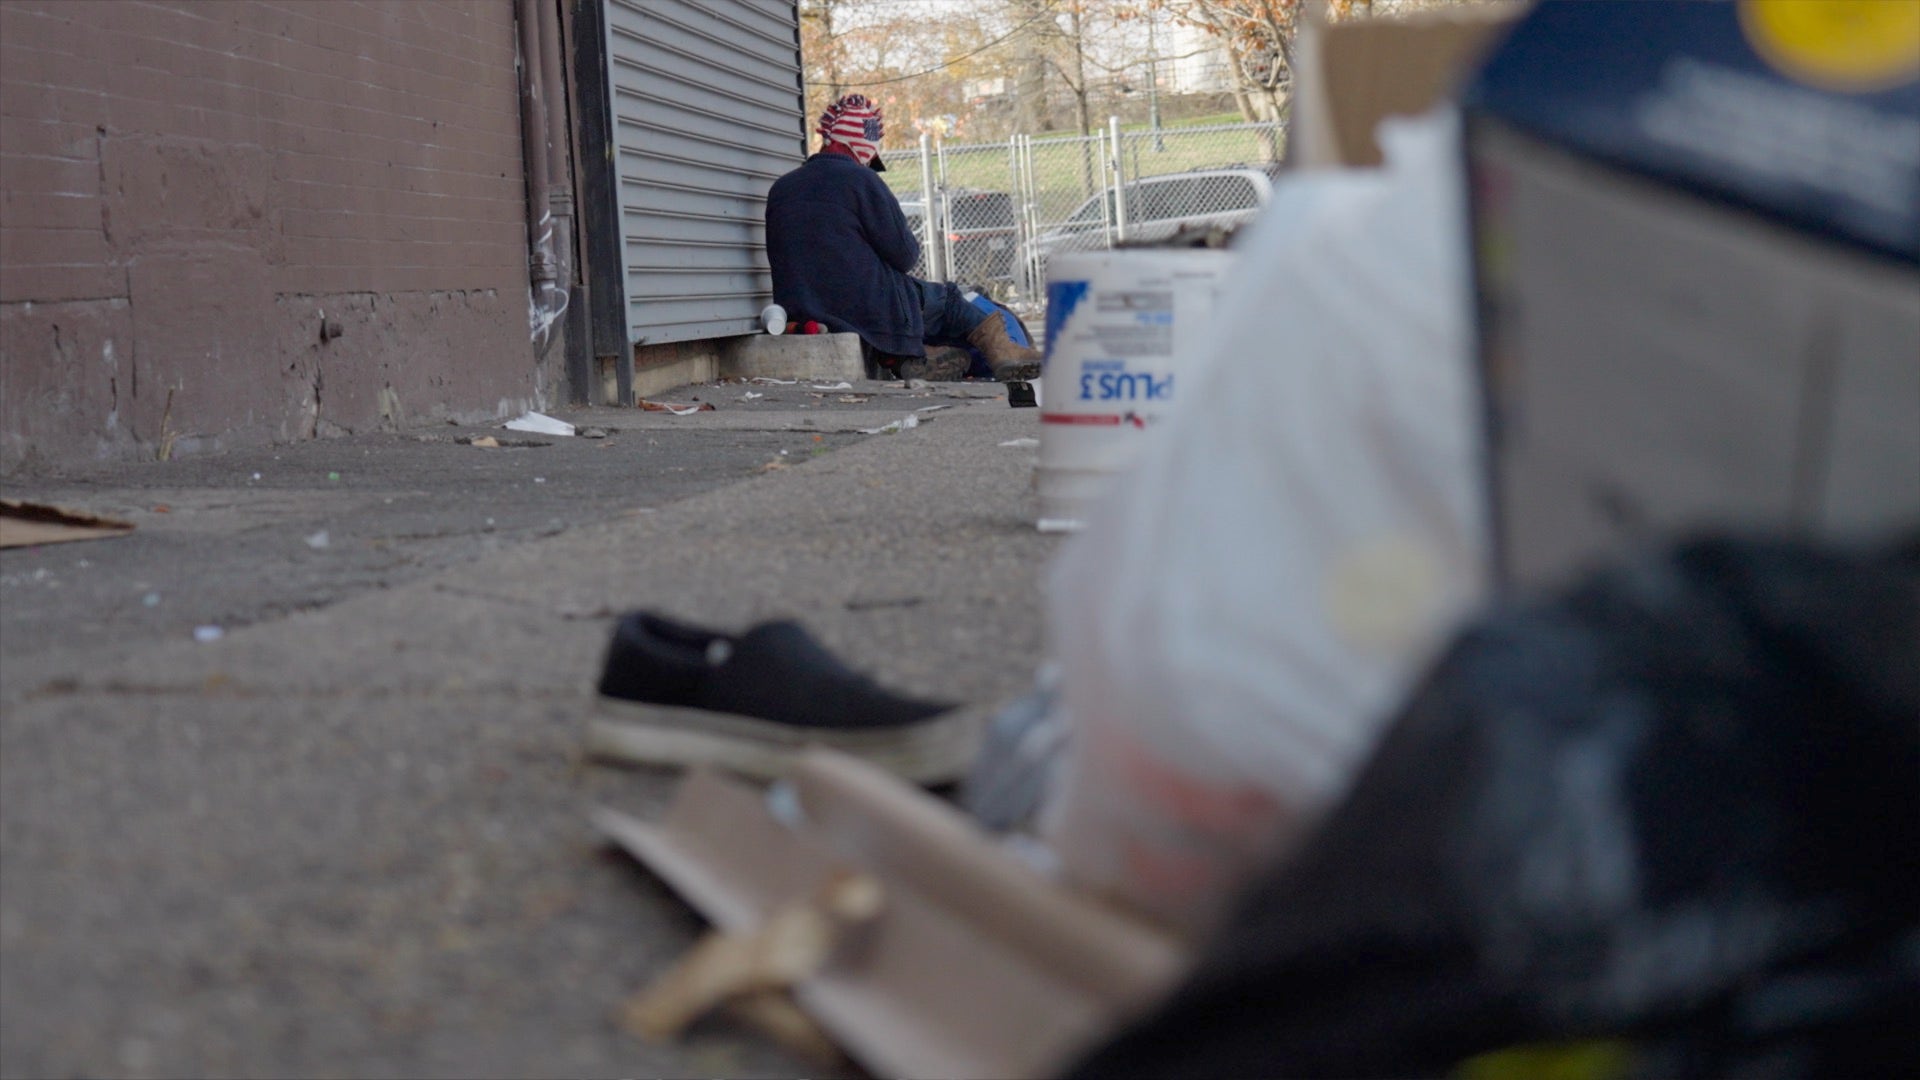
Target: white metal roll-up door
(708,110)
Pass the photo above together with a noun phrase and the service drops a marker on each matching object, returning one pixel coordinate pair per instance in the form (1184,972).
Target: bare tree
(1030,64)
(1258,38)
(820,55)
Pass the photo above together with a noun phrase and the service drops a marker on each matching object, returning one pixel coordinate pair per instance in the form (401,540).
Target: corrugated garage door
(707,113)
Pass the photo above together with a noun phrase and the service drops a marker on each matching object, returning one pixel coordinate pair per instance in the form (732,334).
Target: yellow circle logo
(1855,45)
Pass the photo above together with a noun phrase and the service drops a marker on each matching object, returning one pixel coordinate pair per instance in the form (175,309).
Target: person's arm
(888,231)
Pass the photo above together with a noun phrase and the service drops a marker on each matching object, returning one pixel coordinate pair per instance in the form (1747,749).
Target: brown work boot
(1009,361)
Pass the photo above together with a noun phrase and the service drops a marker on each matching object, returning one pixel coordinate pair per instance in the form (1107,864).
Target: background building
(1197,63)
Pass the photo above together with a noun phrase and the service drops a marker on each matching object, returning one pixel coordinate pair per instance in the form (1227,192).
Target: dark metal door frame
(602,275)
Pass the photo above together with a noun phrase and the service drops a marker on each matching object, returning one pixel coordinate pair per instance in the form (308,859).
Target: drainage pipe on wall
(548,299)
(553,94)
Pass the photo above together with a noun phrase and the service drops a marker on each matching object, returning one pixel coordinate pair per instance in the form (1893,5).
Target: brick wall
(189,187)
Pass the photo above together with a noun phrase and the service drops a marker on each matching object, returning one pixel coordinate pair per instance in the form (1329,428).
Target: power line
(966,55)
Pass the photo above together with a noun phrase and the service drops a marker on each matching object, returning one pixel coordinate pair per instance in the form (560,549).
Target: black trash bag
(1666,825)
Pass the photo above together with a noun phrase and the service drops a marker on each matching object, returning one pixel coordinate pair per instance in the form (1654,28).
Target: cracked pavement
(348,836)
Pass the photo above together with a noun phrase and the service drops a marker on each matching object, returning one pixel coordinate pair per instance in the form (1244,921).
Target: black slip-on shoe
(682,695)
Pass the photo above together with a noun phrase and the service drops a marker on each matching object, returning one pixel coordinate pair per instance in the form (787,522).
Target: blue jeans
(948,315)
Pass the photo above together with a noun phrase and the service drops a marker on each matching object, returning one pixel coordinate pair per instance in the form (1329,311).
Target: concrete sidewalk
(347,838)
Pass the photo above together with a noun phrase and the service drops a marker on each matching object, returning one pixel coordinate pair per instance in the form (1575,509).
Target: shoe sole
(1017,373)
(936,751)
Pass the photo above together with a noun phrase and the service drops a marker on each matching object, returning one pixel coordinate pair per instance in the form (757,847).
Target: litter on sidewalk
(1734,344)
(540,424)
(1661,824)
(23,524)
(1161,303)
(792,944)
(1297,718)
(494,442)
(972,964)
(677,694)
(905,423)
(1213,724)
(675,407)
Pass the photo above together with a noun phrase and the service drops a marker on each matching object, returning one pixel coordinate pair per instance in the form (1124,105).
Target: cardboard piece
(977,966)
(792,944)
(1349,76)
(23,524)
(774,1015)
(1699,279)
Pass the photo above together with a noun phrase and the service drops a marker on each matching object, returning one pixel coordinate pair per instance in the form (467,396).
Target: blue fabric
(841,250)
(1016,332)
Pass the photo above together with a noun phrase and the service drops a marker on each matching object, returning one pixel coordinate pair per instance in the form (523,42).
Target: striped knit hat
(854,122)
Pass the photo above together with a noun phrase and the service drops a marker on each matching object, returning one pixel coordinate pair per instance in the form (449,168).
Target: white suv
(1156,208)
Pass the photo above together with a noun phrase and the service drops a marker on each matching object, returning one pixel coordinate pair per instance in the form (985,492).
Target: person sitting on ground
(842,252)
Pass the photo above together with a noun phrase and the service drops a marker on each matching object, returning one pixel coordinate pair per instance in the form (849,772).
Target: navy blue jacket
(841,249)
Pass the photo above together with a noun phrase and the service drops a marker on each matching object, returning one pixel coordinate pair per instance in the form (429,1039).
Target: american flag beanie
(854,122)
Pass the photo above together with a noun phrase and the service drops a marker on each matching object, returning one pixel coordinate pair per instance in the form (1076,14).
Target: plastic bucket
(1121,326)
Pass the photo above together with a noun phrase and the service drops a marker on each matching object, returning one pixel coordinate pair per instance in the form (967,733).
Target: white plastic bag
(539,424)
(1251,601)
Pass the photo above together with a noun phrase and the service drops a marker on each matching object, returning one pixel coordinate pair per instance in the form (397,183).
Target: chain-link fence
(1000,211)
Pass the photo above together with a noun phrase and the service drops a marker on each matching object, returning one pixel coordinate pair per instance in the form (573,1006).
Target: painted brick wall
(188,187)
